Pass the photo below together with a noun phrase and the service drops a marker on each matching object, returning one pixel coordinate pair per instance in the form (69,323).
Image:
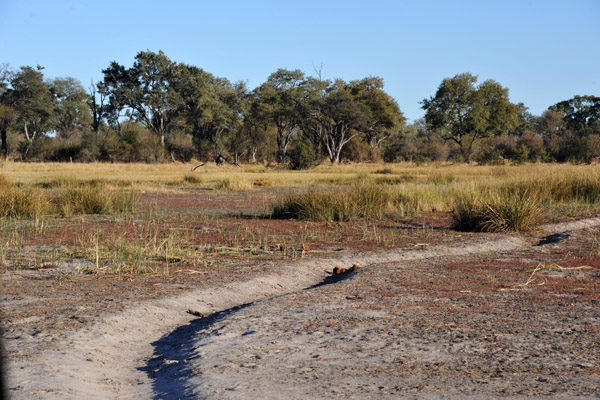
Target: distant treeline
(160,110)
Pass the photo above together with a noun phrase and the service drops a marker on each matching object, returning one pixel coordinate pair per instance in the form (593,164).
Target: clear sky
(543,51)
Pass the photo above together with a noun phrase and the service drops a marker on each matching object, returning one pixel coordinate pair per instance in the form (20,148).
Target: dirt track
(442,322)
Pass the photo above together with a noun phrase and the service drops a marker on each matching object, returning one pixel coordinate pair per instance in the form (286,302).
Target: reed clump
(232,184)
(497,211)
(94,200)
(20,203)
(362,201)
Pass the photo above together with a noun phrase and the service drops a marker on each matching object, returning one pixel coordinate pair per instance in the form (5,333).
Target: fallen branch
(198,166)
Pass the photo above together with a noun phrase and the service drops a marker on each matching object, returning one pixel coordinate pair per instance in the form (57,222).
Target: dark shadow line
(168,368)
(559,237)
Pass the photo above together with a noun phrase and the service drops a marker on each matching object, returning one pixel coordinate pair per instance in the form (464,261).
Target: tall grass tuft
(94,200)
(230,184)
(192,179)
(363,201)
(497,211)
(19,203)
(4,183)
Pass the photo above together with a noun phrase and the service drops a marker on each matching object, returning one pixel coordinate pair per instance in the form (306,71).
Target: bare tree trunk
(3,144)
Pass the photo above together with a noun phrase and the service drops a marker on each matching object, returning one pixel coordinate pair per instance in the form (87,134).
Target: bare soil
(431,312)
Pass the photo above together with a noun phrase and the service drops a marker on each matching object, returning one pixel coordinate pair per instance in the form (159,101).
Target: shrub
(190,178)
(302,156)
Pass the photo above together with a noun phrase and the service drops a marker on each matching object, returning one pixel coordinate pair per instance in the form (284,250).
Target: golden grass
(416,187)
(152,176)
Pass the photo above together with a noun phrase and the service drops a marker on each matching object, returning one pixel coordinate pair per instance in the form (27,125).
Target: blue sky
(543,51)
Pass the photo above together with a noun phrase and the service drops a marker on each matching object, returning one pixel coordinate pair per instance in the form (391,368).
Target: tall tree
(465,113)
(280,95)
(8,114)
(581,114)
(97,102)
(385,117)
(256,122)
(33,102)
(72,111)
(213,106)
(148,91)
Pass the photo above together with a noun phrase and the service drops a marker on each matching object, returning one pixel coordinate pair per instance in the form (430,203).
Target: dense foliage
(161,110)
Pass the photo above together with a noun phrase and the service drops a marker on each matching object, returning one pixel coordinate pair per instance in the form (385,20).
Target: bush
(181,146)
(302,156)
(192,179)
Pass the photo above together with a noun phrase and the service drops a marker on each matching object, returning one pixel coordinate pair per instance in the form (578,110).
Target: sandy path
(117,356)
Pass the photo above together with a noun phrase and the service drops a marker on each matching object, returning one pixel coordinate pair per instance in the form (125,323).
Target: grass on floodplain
(480,198)
(33,203)
(404,189)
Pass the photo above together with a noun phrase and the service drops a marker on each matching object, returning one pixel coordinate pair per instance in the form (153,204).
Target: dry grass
(362,201)
(22,203)
(499,211)
(562,189)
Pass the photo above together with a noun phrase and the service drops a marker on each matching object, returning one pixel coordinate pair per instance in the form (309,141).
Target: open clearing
(431,313)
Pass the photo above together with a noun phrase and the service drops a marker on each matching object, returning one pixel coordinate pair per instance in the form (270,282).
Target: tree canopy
(159,109)
(466,113)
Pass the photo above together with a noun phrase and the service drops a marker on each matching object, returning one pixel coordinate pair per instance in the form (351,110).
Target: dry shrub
(263,182)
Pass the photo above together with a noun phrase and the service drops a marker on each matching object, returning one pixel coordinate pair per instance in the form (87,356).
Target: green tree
(97,101)
(581,114)
(31,98)
(213,106)
(8,116)
(148,92)
(256,122)
(279,96)
(465,113)
(384,118)
(72,111)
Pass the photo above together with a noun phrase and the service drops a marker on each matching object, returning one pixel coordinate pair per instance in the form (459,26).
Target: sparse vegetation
(357,198)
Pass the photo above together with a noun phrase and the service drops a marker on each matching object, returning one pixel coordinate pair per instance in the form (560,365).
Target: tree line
(159,110)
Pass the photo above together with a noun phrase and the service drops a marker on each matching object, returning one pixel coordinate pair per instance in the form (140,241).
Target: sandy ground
(402,325)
